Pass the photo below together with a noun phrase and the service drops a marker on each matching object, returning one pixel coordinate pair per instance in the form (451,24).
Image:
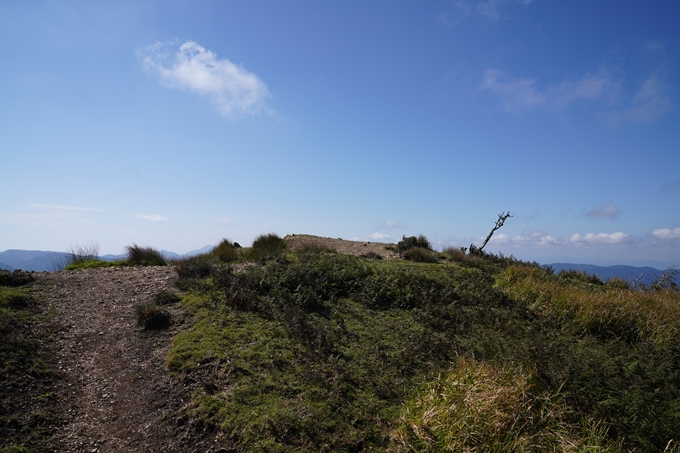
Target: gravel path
(115,391)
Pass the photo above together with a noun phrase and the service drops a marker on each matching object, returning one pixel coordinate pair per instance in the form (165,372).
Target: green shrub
(226,251)
(407,243)
(151,316)
(144,256)
(267,246)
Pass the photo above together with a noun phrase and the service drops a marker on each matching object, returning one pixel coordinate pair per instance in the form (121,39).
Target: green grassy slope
(324,352)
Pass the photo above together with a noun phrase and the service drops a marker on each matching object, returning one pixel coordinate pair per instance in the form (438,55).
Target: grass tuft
(151,316)
(166,297)
(479,407)
(267,246)
(226,251)
(144,256)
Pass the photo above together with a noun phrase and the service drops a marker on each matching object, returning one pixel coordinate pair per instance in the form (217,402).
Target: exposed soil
(115,392)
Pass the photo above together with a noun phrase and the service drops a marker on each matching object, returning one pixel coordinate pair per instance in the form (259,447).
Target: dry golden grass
(651,316)
(477,407)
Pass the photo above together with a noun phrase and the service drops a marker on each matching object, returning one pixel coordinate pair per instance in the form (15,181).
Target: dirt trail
(116,393)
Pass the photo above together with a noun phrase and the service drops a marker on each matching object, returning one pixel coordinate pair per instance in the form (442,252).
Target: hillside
(330,345)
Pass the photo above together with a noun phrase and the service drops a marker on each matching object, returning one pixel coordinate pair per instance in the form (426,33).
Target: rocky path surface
(115,391)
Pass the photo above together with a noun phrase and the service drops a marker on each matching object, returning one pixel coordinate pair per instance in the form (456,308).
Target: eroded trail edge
(115,391)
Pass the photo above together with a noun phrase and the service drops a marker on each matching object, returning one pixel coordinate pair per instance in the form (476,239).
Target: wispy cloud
(670,186)
(226,220)
(603,210)
(651,101)
(64,208)
(602,238)
(232,88)
(151,218)
(518,93)
(489,10)
(380,236)
(392,224)
(666,234)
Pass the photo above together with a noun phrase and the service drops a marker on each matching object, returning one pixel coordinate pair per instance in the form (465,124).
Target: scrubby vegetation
(28,410)
(326,352)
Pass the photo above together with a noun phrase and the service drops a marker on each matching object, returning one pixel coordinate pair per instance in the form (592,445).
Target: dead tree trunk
(502,217)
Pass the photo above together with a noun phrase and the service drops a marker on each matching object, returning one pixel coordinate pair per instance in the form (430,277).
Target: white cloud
(498,239)
(601,238)
(536,238)
(231,87)
(650,102)
(604,210)
(151,218)
(667,234)
(226,220)
(380,236)
(517,93)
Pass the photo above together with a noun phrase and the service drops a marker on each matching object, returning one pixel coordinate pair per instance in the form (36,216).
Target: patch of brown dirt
(357,248)
(115,392)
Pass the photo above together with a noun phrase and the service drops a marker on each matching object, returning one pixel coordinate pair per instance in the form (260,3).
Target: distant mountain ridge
(626,273)
(39,260)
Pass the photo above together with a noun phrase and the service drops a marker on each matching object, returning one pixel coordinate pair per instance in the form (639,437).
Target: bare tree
(502,217)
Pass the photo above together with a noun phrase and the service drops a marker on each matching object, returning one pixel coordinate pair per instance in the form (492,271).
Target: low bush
(267,246)
(407,243)
(144,256)
(151,316)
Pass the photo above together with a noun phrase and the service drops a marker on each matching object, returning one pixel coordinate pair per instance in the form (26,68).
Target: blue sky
(175,124)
